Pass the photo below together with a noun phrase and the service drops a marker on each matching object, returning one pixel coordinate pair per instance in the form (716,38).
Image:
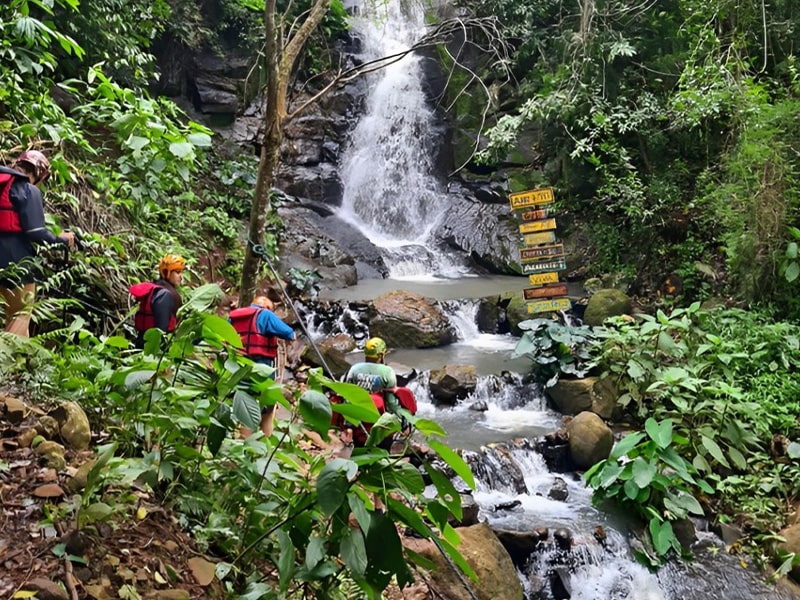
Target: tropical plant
(556,349)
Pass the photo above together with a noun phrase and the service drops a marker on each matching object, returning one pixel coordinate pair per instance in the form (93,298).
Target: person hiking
(159,300)
(260,329)
(380,380)
(22,227)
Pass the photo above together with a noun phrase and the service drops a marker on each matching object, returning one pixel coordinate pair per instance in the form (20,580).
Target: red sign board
(533,215)
(545,291)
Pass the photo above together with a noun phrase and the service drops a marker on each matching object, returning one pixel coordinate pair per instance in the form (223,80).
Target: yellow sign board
(535,239)
(531,198)
(542,306)
(543,278)
(535,226)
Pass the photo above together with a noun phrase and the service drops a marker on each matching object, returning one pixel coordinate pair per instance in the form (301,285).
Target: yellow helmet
(374,348)
(170,263)
(263,302)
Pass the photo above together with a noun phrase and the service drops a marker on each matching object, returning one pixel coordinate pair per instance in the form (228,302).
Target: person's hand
(69,238)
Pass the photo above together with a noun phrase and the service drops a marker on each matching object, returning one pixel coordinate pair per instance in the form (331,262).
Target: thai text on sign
(544,266)
(531,198)
(533,215)
(543,278)
(541,306)
(535,226)
(545,291)
(540,252)
(536,239)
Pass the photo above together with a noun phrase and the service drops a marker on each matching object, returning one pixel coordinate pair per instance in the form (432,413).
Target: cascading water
(390,191)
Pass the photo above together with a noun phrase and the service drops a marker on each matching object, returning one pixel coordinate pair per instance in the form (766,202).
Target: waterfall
(390,191)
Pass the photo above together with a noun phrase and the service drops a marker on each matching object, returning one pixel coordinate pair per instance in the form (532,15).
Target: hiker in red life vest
(260,329)
(380,380)
(21,227)
(159,300)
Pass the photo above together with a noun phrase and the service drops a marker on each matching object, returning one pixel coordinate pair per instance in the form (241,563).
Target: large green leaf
(219,328)
(714,450)
(333,483)
(385,554)
(454,461)
(643,472)
(660,433)
(445,491)
(622,447)
(315,409)
(354,552)
(246,410)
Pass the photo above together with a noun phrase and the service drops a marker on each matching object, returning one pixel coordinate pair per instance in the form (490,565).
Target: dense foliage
(715,393)
(280,519)
(666,128)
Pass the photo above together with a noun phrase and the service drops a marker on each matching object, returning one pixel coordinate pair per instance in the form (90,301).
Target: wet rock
(519,544)
(14,410)
(75,430)
(409,320)
(51,454)
(563,538)
(46,589)
(685,531)
(792,544)
(26,437)
(571,396)
(497,577)
(452,383)
(606,303)
(333,359)
(47,427)
(479,406)
(590,440)
(469,511)
(559,490)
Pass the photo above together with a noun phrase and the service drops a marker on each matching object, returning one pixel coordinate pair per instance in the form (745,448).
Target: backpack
(360,432)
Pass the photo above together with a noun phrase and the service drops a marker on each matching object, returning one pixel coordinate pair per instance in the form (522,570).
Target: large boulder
(497,577)
(590,440)
(791,535)
(572,396)
(606,303)
(409,320)
(73,425)
(452,383)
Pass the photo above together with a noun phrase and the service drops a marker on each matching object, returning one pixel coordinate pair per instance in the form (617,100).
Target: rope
(261,251)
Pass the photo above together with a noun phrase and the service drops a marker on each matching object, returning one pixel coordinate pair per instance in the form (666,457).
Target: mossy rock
(604,304)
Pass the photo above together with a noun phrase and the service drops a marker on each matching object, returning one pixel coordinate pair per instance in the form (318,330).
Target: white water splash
(390,192)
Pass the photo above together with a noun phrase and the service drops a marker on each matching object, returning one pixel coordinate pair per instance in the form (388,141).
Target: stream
(391,194)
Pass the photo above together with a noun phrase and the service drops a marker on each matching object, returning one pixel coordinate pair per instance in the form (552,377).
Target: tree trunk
(280,63)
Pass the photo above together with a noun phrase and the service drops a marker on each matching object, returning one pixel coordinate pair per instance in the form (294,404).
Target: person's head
(263,302)
(171,267)
(34,164)
(375,350)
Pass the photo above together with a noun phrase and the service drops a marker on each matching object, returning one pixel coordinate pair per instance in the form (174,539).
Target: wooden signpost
(541,256)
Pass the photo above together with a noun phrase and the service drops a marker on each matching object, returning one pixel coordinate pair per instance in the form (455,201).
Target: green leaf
(661,535)
(643,472)
(354,552)
(714,450)
(286,560)
(428,427)
(445,491)
(454,461)
(214,437)
(181,149)
(737,458)
(625,445)
(385,554)
(315,409)
(219,328)
(792,271)
(201,140)
(635,370)
(793,450)
(631,489)
(247,410)
(333,483)
(660,433)
(315,552)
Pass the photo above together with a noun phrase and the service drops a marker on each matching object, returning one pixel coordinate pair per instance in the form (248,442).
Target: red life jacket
(360,432)
(244,321)
(144,318)
(9,217)
(406,398)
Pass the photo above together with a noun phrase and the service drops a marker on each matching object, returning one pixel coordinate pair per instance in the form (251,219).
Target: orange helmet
(37,162)
(170,263)
(263,302)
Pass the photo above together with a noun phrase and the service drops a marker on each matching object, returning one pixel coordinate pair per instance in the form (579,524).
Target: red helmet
(38,162)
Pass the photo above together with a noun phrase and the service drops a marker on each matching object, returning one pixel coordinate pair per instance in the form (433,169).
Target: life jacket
(9,217)
(404,395)
(360,432)
(144,318)
(244,321)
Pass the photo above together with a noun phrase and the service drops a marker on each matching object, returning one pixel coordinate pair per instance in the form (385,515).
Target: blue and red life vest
(244,321)
(9,217)
(144,318)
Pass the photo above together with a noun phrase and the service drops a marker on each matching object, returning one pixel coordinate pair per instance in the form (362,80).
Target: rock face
(792,544)
(571,396)
(590,439)
(409,320)
(452,383)
(497,577)
(74,425)
(606,303)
